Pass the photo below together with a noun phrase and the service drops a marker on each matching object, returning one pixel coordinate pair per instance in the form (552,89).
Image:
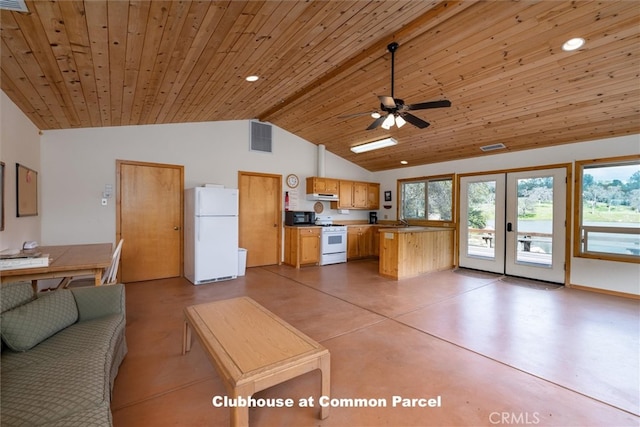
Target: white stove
(333,242)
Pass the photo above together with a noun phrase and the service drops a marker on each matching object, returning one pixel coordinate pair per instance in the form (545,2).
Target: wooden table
(65,261)
(253,349)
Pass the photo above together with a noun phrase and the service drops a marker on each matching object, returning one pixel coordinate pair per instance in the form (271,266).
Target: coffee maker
(373,217)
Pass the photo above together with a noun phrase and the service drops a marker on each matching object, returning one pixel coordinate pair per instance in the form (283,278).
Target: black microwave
(299,218)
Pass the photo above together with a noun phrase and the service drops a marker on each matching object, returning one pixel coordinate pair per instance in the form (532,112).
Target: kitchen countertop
(412,229)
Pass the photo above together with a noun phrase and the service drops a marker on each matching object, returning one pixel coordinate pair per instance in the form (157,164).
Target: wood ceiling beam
(443,11)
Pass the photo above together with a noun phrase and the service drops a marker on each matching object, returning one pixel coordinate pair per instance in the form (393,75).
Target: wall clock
(292,181)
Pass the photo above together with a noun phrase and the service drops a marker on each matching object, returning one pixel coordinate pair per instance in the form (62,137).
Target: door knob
(176,228)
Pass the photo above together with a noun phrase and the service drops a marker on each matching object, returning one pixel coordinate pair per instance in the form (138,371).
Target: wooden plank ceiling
(69,64)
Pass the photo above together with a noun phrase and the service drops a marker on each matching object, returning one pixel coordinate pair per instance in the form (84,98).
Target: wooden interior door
(149,219)
(260,217)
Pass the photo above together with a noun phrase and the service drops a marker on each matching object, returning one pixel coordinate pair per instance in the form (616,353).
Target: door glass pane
(481,200)
(535,220)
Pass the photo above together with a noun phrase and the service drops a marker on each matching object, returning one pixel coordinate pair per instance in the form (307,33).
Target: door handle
(176,228)
(509,227)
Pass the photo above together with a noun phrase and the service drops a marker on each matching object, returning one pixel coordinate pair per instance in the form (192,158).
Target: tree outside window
(427,199)
(608,199)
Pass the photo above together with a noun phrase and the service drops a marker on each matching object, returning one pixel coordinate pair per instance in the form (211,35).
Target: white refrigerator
(211,234)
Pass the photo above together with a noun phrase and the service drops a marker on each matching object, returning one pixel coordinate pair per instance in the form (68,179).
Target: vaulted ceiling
(70,64)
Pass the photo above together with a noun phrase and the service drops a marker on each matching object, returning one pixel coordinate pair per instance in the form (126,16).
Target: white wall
(584,272)
(78,163)
(19,143)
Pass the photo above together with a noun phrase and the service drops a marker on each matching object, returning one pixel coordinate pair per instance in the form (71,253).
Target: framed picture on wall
(387,196)
(26,191)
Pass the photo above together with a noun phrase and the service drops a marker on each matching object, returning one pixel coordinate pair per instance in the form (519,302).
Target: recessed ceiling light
(404,162)
(252,78)
(573,44)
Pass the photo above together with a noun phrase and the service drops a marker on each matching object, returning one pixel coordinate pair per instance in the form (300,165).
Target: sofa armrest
(98,301)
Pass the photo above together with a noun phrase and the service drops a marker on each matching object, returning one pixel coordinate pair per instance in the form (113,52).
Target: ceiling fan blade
(348,116)
(416,121)
(387,101)
(431,104)
(377,122)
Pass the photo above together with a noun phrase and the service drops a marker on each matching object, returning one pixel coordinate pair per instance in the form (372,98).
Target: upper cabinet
(373,195)
(316,184)
(357,195)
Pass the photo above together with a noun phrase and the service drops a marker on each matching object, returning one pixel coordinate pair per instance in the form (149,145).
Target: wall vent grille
(14,5)
(261,137)
(493,147)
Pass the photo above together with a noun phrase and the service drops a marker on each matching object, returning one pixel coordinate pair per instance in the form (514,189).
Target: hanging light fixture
(400,121)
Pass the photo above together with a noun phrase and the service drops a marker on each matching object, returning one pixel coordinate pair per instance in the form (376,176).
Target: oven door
(334,242)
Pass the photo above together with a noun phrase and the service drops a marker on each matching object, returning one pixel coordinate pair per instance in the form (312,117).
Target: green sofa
(60,354)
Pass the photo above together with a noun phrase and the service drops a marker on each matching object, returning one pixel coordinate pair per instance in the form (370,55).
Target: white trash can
(242,261)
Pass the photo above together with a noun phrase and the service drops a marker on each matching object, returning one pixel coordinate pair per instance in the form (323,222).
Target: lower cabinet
(361,241)
(301,246)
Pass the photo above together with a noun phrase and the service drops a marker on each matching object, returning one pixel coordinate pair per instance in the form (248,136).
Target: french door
(515,223)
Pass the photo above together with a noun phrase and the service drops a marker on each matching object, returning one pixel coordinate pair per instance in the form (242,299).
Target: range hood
(323,197)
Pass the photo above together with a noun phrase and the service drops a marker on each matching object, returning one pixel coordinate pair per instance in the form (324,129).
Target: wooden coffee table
(253,349)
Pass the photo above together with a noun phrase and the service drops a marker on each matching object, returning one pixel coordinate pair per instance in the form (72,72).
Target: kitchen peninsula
(411,251)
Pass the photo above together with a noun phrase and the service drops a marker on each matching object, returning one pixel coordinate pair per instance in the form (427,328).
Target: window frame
(427,179)
(579,248)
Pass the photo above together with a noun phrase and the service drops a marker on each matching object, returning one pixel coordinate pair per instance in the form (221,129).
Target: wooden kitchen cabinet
(360,195)
(375,241)
(411,251)
(345,196)
(360,241)
(301,246)
(373,196)
(316,184)
(357,195)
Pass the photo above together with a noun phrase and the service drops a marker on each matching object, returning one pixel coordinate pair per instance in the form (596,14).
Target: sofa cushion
(27,325)
(47,392)
(14,294)
(79,338)
(96,302)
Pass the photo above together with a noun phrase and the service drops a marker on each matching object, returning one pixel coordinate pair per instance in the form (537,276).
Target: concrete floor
(496,351)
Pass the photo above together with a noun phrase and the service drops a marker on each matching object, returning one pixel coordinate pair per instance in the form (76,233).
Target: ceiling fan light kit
(388,122)
(375,145)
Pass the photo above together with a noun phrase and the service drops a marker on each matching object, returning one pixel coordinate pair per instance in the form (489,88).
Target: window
(608,201)
(426,199)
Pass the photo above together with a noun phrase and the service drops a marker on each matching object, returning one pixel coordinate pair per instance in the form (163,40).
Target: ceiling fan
(396,110)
